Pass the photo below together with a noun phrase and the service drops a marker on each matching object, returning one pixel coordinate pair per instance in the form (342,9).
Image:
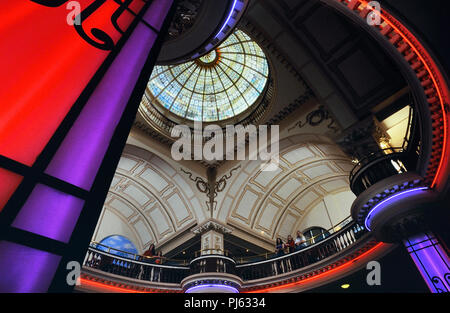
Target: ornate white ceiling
(149,200)
(279,203)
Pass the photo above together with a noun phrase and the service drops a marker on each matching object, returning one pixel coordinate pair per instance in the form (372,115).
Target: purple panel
(50,213)
(157,13)
(431,260)
(24,269)
(80,155)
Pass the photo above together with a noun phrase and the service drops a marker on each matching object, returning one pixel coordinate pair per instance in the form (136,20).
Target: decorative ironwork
(211,187)
(378,166)
(211,225)
(337,246)
(143,269)
(95,36)
(439,284)
(304,257)
(316,118)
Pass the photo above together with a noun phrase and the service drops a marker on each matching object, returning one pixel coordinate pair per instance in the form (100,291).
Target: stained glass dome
(217,86)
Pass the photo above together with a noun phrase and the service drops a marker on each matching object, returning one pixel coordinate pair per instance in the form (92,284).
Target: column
(212,243)
(431,260)
(212,233)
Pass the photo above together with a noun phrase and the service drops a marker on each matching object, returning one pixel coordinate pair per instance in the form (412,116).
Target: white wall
(335,210)
(110,224)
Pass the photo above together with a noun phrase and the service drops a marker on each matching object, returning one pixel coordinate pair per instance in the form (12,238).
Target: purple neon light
(24,269)
(431,260)
(80,155)
(157,13)
(50,213)
(200,287)
(375,208)
(228,18)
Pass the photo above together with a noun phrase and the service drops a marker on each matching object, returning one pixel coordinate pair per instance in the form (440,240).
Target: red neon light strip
(386,18)
(105,287)
(88,282)
(339,268)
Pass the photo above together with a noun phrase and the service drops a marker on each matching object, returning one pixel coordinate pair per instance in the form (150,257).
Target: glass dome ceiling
(217,86)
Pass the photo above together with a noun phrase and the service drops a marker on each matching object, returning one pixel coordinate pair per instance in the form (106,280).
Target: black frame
(94,198)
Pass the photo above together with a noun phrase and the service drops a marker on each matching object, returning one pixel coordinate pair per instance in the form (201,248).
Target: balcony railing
(306,256)
(148,270)
(380,165)
(213,264)
(145,269)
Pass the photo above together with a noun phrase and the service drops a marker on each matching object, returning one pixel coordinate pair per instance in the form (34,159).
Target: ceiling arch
(151,198)
(272,203)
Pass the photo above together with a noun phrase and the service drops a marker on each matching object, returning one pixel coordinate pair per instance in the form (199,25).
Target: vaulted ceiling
(327,76)
(149,200)
(278,203)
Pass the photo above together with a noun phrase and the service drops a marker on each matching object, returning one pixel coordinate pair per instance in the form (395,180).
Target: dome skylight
(217,86)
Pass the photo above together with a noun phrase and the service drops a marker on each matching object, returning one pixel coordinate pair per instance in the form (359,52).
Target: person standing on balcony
(150,253)
(148,258)
(158,260)
(300,241)
(279,247)
(279,250)
(290,244)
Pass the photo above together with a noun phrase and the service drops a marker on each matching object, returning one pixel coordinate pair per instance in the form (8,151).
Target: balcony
(380,165)
(141,274)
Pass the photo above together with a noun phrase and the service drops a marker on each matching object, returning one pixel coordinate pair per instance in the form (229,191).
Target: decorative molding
(211,225)
(211,187)
(316,117)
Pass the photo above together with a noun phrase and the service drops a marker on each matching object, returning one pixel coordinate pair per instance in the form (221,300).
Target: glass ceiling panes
(217,86)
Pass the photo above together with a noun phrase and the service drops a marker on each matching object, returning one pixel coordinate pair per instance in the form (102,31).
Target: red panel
(45,66)
(8,184)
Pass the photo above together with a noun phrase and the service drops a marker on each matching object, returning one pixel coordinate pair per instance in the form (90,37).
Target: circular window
(217,86)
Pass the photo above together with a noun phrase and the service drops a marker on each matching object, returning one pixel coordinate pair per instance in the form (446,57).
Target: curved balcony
(380,165)
(140,267)
(139,274)
(212,273)
(198,27)
(212,264)
(305,257)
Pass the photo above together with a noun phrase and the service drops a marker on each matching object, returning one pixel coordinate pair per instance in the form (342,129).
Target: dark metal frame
(94,198)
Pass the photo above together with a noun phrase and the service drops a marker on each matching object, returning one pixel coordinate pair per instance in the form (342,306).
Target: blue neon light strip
(228,18)
(232,289)
(367,220)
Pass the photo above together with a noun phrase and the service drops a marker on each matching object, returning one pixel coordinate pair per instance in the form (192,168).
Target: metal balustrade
(380,165)
(212,264)
(148,270)
(306,256)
